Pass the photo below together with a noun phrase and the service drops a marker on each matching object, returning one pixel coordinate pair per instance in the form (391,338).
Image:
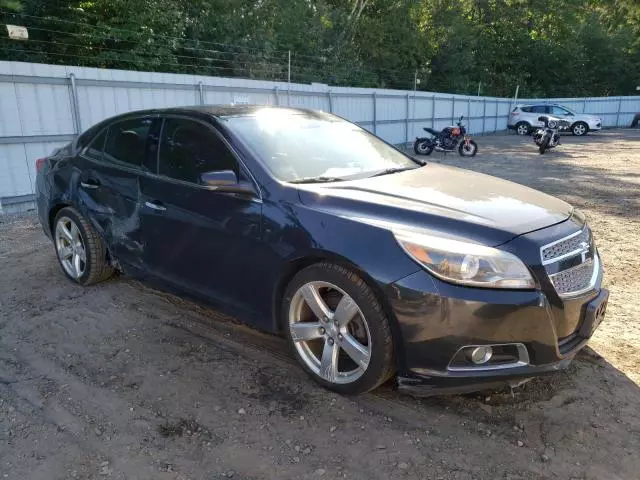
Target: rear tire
(81,251)
(422,147)
(580,129)
(523,128)
(328,326)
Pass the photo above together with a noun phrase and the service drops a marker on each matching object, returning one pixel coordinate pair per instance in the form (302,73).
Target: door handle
(155,206)
(91,185)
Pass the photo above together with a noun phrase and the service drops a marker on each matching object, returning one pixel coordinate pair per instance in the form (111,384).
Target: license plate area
(594,314)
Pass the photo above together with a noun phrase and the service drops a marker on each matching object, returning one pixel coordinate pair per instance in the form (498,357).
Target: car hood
(450,200)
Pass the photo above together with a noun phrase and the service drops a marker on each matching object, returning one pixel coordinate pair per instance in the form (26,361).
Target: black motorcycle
(549,136)
(446,141)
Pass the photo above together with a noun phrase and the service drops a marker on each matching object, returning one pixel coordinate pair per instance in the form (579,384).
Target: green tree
(549,48)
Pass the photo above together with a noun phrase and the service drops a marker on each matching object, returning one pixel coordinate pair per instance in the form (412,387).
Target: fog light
(480,355)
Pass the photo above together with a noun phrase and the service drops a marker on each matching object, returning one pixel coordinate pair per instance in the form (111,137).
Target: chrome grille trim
(565,247)
(577,280)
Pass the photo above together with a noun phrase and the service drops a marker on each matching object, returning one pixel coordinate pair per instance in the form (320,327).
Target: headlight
(465,263)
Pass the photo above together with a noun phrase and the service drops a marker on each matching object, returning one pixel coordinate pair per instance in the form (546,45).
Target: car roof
(219,111)
(203,111)
(542,104)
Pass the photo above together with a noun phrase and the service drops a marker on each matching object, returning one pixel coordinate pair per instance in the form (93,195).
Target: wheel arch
(53,211)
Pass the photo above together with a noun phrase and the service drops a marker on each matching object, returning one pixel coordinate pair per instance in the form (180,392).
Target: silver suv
(524,118)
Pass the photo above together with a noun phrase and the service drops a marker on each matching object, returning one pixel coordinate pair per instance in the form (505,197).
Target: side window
(526,109)
(126,141)
(539,109)
(94,150)
(188,149)
(153,143)
(555,110)
(85,138)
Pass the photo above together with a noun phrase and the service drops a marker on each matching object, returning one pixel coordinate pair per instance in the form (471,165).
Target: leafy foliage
(549,48)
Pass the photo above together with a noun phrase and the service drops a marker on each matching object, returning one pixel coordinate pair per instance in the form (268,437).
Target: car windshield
(301,146)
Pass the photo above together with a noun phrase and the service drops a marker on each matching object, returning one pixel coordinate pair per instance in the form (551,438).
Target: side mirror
(226,181)
(219,178)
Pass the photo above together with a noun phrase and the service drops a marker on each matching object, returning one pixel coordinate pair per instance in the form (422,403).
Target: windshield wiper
(387,171)
(319,179)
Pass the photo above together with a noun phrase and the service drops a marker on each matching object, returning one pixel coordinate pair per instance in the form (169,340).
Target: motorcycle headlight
(466,263)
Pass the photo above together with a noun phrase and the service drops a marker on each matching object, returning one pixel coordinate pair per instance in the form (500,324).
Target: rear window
(85,138)
(94,150)
(126,141)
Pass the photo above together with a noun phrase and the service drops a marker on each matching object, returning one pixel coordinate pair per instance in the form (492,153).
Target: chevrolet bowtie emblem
(584,250)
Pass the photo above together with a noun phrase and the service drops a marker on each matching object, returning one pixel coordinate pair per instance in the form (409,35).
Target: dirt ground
(122,381)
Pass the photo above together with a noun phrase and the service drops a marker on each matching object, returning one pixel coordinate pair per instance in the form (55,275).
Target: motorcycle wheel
(422,147)
(469,150)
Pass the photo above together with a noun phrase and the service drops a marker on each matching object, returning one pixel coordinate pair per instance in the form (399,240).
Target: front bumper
(436,319)
(424,386)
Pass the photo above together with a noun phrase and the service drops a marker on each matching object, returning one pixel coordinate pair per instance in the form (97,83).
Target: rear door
(197,238)
(108,185)
(537,111)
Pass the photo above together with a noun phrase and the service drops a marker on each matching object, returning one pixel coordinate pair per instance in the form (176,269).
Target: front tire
(544,144)
(469,150)
(523,128)
(337,329)
(81,251)
(422,147)
(580,129)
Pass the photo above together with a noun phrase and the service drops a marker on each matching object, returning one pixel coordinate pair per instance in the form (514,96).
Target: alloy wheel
(579,129)
(329,332)
(522,129)
(70,247)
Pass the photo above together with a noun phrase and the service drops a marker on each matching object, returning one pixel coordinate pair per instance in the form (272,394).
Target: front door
(559,112)
(197,238)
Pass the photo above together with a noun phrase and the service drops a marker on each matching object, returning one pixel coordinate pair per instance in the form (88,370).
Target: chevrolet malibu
(374,265)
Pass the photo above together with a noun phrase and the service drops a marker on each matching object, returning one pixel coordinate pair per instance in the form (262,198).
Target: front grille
(566,246)
(574,279)
(572,263)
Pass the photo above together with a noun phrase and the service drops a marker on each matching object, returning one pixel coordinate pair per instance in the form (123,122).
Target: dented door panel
(109,195)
